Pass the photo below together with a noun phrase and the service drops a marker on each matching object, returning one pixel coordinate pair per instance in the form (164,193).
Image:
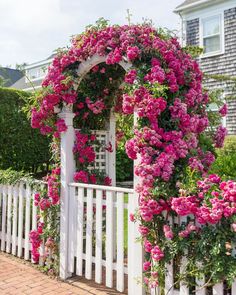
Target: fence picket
(169,279)
(109,239)
(184,290)
(42,219)
(15,214)
(4,215)
(98,250)
(72,226)
(0,197)
(233,288)
(80,231)
(20,219)
(89,234)
(9,218)
(199,289)
(34,219)
(120,242)
(34,214)
(218,289)
(27,221)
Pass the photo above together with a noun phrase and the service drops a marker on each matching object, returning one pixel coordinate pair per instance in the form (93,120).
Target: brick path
(18,277)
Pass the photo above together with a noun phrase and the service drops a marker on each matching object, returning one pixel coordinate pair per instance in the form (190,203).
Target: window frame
(220,34)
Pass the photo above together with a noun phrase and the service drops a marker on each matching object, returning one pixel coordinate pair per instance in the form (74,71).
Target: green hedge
(21,147)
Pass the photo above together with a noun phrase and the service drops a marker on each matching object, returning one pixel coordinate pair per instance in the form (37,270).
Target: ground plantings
(172,141)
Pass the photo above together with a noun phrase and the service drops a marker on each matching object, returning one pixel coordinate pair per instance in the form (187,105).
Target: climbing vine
(173,139)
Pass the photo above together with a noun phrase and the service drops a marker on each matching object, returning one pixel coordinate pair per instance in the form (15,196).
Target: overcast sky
(31,29)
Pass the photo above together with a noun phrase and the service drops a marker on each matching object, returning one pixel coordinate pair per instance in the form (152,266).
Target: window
(36,73)
(212,35)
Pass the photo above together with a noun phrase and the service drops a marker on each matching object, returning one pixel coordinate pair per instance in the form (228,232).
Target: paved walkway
(20,277)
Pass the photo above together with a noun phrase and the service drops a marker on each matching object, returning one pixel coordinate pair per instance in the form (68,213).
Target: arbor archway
(163,86)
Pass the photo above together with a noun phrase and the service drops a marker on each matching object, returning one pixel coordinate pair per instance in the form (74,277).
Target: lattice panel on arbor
(101,162)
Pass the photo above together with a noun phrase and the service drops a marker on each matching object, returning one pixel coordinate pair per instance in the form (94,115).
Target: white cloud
(30,30)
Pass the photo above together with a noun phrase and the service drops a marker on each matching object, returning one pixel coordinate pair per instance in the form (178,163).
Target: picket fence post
(67,171)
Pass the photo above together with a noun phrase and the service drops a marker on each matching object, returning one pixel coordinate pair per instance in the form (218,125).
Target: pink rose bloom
(107,181)
(81,176)
(157,253)
(146,266)
(132,52)
(61,126)
(224,110)
(93,178)
(148,246)
(143,230)
(131,217)
(130,76)
(168,232)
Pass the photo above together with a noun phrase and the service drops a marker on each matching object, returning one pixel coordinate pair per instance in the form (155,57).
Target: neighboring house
(211,24)
(9,76)
(34,74)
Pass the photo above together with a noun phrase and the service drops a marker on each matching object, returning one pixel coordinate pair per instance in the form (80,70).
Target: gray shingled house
(211,24)
(34,75)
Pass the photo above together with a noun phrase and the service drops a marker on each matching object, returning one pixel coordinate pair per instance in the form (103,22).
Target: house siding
(224,64)
(192,32)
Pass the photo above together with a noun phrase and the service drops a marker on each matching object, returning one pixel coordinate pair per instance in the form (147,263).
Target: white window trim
(222,35)
(35,65)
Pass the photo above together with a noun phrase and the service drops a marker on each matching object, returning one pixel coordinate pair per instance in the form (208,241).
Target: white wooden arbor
(135,252)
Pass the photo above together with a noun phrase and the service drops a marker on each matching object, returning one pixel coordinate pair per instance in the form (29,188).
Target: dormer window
(212,35)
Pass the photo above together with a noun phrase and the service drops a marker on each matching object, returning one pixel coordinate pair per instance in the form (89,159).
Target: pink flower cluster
(215,200)
(96,107)
(44,202)
(84,150)
(168,232)
(191,227)
(35,240)
(220,136)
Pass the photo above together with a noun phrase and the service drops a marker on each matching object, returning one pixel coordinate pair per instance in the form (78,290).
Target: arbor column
(135,249)
(67,172)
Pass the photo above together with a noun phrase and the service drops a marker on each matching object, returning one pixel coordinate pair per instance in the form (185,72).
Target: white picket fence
(101,244)
(18,216)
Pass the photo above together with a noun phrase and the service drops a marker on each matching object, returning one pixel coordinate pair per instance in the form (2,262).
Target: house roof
(10,76)
(24,84)
(187,4)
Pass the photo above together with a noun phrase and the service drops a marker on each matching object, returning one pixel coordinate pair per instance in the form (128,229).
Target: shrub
(10,176)
(21,147)
(124,165)
(225,164)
